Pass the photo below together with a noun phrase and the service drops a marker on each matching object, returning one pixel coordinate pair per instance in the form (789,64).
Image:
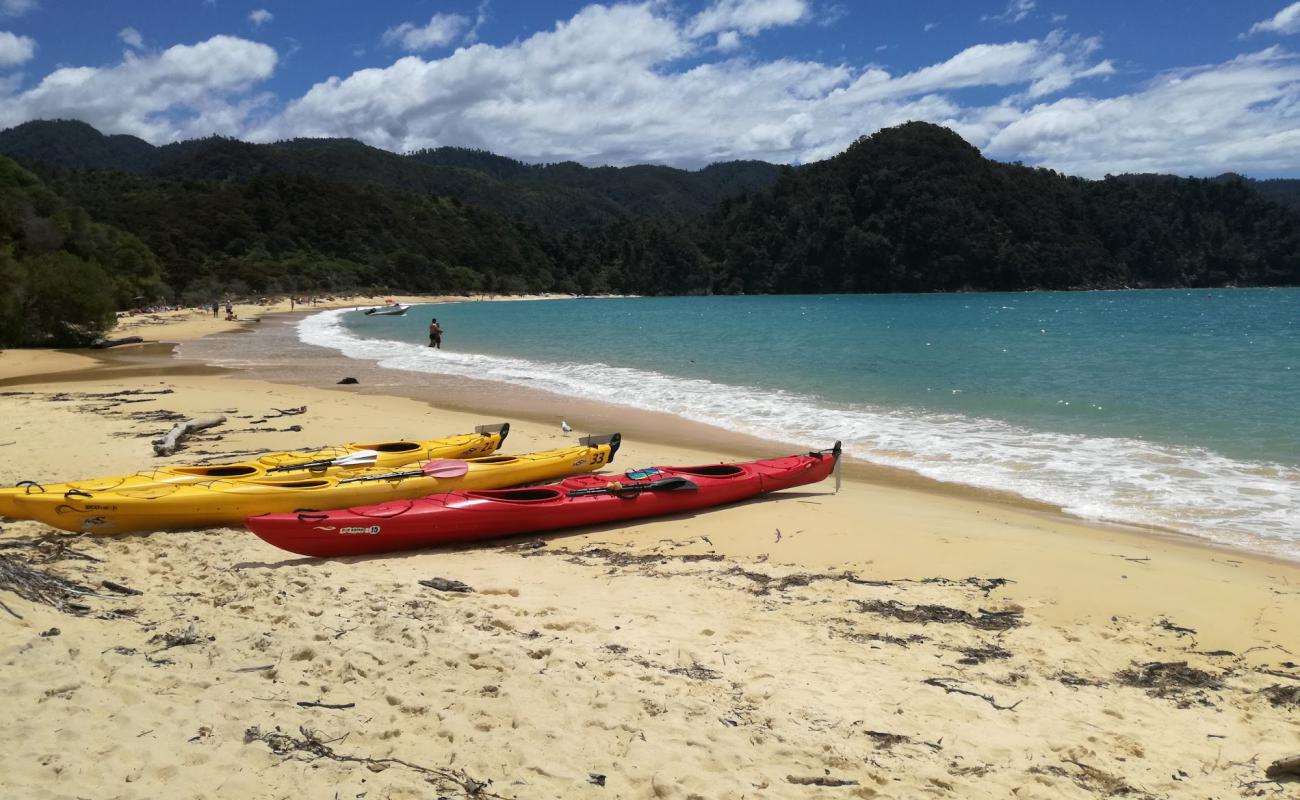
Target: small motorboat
(395,310)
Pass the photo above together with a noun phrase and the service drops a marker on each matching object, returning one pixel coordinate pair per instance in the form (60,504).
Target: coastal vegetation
(91,223)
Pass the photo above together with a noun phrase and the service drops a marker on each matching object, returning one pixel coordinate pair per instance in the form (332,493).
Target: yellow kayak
(280,467)
(222,502)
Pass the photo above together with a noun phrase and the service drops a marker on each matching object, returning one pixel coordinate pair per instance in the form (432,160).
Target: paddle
(662,485)
(441,468)
(358,458)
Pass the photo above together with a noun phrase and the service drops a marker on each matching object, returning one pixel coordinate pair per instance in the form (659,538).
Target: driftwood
(1288,767)
(104,344)
(172,441)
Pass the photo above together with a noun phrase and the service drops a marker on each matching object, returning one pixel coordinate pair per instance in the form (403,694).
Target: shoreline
(886,641)
(595,415)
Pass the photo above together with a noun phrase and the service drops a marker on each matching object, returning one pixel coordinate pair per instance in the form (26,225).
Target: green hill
(565,195)
(916,208)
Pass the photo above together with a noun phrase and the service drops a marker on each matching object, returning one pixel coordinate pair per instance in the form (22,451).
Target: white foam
(1251,505)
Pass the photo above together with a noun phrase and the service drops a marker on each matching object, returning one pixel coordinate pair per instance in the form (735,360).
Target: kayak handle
(29,485)
(303,517)
(71,493)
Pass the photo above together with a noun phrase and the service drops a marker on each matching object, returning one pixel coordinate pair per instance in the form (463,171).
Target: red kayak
(583,500)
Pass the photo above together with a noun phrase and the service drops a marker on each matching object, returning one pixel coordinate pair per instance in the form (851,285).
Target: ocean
(1178,409)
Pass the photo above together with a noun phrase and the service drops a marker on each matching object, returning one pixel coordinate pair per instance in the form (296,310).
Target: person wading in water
(435,334)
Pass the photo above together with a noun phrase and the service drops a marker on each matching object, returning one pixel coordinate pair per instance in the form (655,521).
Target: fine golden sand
(885,641)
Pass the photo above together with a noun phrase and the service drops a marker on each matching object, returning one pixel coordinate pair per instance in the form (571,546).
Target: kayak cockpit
(518,495)
(225,471)
(393,447)
(714,471)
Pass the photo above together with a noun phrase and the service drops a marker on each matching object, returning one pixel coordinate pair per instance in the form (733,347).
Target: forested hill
(557,196)
(910,208)
(1283,191)
(62,275)
(916,208)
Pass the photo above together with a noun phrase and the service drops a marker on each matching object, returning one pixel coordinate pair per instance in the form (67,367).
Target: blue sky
(1189,87)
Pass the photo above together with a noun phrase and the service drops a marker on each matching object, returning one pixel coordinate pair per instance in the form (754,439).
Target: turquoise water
(1175,408)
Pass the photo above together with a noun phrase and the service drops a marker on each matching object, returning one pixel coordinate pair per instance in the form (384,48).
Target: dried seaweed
(1070,679)
(924,614)
(179,638)
(766,584)
(48,549)
(1282,696)
(35,585)
(1171,679)
(819,780)
(1092,779)
(1180,630)
(978,655)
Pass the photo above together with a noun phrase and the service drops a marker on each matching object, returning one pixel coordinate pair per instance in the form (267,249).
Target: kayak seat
(718,471)
(493,460)
(395,447)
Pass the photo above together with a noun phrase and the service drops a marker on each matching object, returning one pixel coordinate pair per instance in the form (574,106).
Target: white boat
(395,310)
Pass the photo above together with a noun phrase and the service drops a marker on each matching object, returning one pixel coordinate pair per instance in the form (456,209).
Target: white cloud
(260,17)
(131,38)
(748,16)
(16,8)
(15,49)
(441,31)
(587,91)
(1242,115)
(929,26)
(1015,11)
(1285,21)
(480,19)
(728,41)
(184,91)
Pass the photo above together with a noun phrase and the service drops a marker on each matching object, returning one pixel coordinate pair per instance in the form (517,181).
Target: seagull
(564,426)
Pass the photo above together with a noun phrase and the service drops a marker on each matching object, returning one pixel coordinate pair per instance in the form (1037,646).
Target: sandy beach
(894,639)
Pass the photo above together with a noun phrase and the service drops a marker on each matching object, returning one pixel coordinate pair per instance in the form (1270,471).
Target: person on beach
(435,334)
(215,307)
(230,309)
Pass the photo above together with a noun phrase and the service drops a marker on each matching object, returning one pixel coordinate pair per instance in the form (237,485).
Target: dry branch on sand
(311,747)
